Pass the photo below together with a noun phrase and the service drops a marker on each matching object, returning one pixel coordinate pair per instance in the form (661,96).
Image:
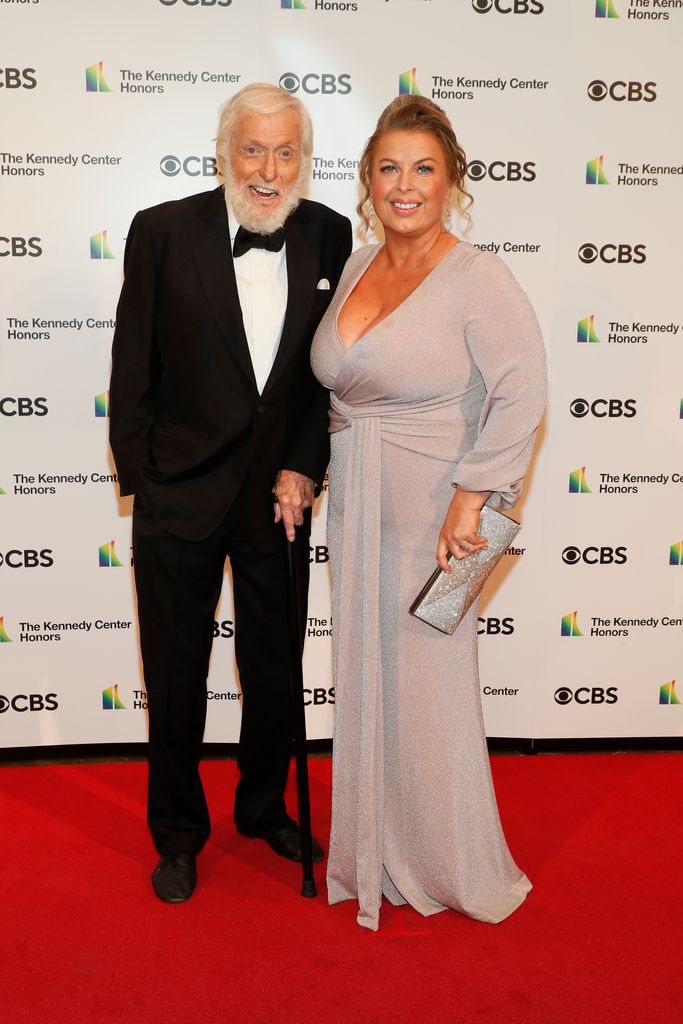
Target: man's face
(265,164)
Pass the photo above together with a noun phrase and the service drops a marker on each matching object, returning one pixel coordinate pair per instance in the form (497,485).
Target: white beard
(251,217)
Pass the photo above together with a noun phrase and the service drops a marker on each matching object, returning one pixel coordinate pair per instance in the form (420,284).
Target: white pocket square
(323,285)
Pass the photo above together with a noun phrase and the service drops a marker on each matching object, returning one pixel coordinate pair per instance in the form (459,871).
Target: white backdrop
(569,115)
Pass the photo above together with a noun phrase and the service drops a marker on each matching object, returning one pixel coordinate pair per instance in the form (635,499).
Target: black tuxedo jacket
(187,421)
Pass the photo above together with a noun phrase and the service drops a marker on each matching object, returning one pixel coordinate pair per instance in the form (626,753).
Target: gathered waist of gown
(436,427)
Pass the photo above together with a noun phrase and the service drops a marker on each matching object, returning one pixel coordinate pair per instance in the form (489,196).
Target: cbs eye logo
(612,408)
(631,92)
(170,165)
(613,252)
(477,170)
(290,82)
(579,407)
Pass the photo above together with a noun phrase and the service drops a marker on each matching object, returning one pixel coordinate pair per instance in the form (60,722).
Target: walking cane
(299,723)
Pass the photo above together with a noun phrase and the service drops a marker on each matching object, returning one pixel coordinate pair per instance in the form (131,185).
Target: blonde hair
(416,114)
(260,98)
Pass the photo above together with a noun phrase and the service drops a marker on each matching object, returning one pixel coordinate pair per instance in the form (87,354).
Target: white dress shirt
(262,289)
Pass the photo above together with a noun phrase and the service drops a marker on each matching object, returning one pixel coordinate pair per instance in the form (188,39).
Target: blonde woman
(436,366)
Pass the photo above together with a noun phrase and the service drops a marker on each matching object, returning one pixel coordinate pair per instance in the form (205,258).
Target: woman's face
(409,183)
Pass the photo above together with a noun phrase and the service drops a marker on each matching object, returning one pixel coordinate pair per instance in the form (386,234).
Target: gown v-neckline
(356,280)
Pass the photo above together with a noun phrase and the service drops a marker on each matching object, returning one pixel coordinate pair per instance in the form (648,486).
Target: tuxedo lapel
(210,240)
(302,267)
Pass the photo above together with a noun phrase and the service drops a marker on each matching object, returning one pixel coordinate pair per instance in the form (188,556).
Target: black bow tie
(246,240)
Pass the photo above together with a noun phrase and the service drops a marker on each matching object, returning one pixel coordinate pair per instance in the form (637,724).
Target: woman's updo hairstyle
(416,114)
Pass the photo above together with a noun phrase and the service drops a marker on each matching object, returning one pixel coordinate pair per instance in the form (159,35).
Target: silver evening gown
(449,388)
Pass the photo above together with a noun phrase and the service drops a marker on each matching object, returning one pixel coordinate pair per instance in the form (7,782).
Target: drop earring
(372,216)
(447,215)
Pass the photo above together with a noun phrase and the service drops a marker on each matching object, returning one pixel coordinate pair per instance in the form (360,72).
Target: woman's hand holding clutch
(459,534)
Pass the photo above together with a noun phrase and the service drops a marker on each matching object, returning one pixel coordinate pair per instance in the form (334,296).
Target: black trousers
(178,584)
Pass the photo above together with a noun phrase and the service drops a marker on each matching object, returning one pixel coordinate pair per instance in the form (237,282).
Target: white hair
(260,98)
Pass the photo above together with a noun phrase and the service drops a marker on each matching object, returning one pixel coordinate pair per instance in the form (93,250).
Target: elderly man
(214,411)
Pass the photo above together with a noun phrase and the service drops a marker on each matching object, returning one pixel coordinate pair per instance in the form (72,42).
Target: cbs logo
(612,252)
(508,6)
(499,170)
(17,246)
(595,556)
(29,558)
(10,406)
(496,627)
(225,629)
(632,92)
(314,84)
(319,554)
(587,695)
(197,3)
(29,702)
(602,407)
(318,695)
(16,78)
(194,166)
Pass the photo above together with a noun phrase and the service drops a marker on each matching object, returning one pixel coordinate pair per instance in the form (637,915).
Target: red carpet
(599,940)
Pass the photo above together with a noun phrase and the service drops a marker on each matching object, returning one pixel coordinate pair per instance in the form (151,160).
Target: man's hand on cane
(293,493)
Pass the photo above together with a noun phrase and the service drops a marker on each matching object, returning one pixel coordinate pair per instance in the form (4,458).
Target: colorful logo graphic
(108,557)
(605,9)
(94,78)
(292,5)
(4,638)
(577,482)
(595,172)
(111,700)
(585,331)
(407,84)
(680,415)
(667,693)
(102,404)
(99,247)
(676,553)
(570,626)
(2,492)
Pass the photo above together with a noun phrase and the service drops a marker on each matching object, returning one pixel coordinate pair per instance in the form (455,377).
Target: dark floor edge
(110,752)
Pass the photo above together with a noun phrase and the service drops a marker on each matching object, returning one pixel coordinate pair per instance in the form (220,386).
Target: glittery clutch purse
(446,597)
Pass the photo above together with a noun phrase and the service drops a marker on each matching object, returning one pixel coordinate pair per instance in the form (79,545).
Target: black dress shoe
(175,877)
(286,841)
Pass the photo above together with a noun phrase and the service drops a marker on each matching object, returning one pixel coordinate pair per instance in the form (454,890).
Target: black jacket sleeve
(130,405)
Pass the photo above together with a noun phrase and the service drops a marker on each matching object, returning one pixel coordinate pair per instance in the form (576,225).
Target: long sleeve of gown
(506,346)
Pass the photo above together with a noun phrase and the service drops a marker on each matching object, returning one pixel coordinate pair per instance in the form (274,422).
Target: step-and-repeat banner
(569,113)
